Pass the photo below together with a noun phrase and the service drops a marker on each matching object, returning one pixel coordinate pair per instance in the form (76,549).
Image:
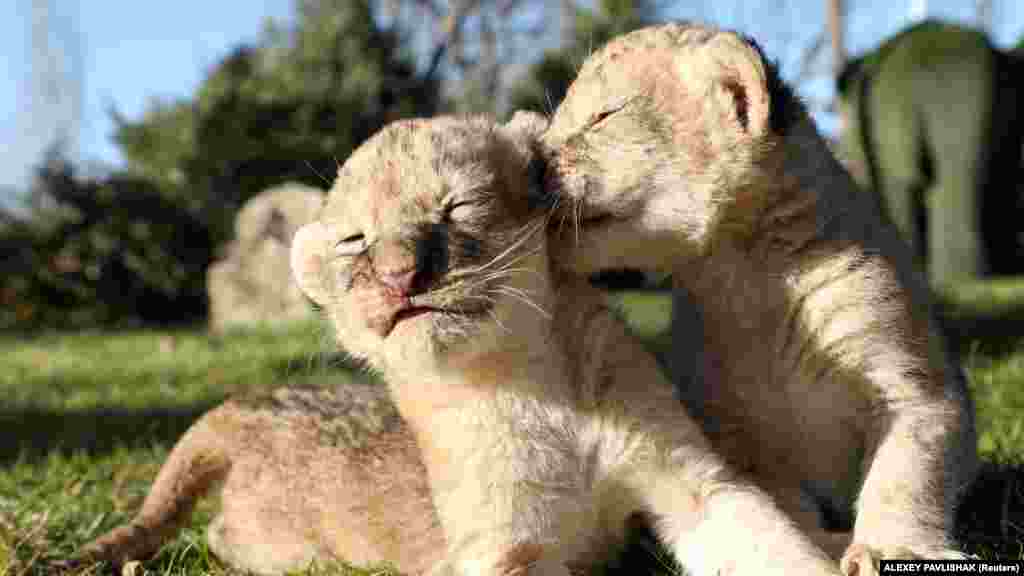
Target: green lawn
(88,418)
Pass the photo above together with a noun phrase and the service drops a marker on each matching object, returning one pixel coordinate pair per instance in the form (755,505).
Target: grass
(87,419)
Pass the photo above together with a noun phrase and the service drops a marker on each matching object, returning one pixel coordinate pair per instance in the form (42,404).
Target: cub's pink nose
(400,281)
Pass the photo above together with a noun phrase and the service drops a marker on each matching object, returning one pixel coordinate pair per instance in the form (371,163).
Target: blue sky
(132,52)
(785,27)
(135,51)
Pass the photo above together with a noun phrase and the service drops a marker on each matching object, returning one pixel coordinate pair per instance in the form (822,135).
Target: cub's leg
(196,464)
(248,546)
(713,521)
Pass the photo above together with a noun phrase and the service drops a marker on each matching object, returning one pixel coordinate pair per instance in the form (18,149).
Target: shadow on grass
(990,517)
(34,433)
(996,334)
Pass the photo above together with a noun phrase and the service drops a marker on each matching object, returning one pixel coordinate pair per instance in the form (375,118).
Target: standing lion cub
(543,426)
(825,378)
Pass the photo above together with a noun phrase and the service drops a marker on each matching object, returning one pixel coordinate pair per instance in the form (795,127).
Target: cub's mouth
(412,312)
(408,312)
(421,306)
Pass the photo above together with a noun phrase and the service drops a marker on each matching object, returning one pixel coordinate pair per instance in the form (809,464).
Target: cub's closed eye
(601,117)
(460,210)
(607,113)
(351,245)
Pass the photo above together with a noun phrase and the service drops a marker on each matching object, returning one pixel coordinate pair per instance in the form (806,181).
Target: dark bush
(101,253)
(132,248)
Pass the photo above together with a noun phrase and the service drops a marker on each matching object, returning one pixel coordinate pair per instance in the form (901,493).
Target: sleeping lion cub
(542,424)
(680,150)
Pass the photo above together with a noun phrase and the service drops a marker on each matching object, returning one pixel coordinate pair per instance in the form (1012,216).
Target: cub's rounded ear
(525,128)
(530,124)
(740,83)
(308,260)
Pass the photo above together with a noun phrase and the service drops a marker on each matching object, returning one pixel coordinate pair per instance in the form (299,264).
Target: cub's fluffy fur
(303,475)
(543,425)
(825,375)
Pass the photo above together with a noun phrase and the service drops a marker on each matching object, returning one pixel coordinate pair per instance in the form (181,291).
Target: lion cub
(303,475)
(680,150)
(542,424)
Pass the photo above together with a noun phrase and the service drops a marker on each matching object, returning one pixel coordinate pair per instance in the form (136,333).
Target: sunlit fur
(825,376)
(303,476)
(544,426)
(395,190)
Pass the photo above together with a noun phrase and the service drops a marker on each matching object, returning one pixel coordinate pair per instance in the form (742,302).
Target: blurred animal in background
(252,284)
(932,121)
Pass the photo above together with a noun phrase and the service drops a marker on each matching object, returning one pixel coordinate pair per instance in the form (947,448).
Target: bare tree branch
(836,29)
(476,39)
(435,59)
(489,55)
(458,11)
(449,38)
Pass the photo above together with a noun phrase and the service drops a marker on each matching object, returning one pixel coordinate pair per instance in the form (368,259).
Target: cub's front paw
(862,560)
